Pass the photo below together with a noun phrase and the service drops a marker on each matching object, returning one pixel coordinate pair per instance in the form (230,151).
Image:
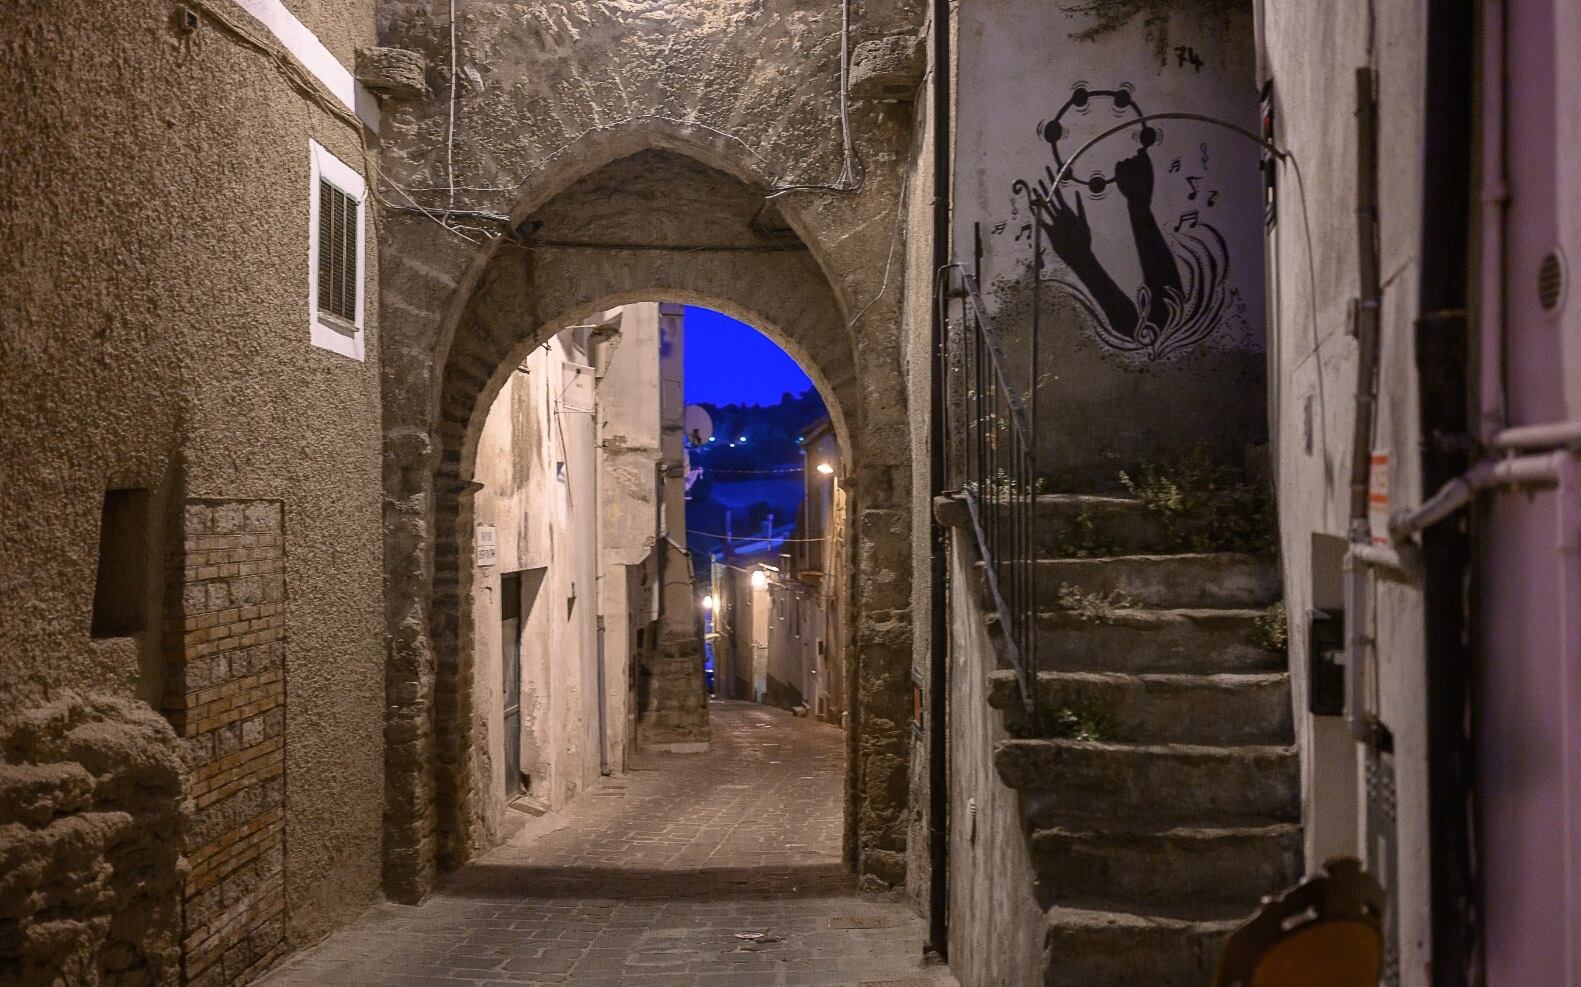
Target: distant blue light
(731,362)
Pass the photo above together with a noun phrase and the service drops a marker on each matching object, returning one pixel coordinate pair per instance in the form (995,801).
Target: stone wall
(180,358)
(225,696)
(90,867)
(649,183)
(1311,390)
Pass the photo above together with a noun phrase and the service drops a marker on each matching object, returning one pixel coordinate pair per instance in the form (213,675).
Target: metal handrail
(997,473)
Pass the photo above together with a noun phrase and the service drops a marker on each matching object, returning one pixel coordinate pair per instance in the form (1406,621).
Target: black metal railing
(990,453)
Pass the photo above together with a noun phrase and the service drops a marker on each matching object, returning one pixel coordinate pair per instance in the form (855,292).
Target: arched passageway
(653,224)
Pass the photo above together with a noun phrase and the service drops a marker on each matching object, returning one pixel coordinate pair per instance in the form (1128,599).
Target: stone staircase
(1155,834)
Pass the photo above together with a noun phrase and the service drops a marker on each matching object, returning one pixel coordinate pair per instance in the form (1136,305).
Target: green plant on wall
(1206,506)
(1108,16)
(1272,630)
(1092,608)
(1081,721)
(1084,541)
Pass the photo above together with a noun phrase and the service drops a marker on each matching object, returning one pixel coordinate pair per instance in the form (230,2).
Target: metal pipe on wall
(1443,368)
(1367,343)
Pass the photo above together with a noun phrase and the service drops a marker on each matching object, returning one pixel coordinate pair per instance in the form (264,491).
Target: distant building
(778,628)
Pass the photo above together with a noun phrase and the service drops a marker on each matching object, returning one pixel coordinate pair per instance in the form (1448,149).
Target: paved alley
(713,869)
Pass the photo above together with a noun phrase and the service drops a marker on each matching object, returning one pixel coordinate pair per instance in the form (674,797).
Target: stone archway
(654,224)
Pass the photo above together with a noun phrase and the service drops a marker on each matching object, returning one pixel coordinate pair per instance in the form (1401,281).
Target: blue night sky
(729,361)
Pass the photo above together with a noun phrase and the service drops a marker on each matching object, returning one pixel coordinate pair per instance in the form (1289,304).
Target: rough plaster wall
(628,398)
(161,312)
(917,339)
(563,92)
(1104,408)
(1315,361)
(91,818)
(502,504)
(535,460)
(996,923)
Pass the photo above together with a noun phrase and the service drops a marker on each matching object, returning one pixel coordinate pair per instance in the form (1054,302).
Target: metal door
(511,672)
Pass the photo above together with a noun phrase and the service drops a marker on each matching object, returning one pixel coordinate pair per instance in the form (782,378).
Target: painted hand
(1134,176)
(1067,229)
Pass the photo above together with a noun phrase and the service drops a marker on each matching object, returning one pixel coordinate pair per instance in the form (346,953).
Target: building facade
(1202,383)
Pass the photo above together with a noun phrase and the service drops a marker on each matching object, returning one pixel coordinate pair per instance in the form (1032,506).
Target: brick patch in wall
(225,695)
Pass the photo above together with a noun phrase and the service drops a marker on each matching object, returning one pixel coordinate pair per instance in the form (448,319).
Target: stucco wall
(996,923)
(536,461)
(1151,335)
(628,403)
(157,336)
(916,344)
(1313,274)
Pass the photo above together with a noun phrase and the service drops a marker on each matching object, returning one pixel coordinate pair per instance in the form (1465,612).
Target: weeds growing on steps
(1272,629)
(1083,721)
(1092,608)
(1206,506)
(1085,542)
(1002,486)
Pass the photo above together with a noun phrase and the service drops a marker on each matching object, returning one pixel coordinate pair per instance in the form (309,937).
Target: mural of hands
(1067,229)
(1134,177)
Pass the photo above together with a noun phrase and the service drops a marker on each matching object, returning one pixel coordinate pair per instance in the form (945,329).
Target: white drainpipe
(1538,471)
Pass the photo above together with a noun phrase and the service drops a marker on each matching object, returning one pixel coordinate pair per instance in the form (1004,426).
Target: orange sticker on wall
(1378,497)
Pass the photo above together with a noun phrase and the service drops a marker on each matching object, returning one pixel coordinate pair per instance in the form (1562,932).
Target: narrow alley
(860,493)
(715,869)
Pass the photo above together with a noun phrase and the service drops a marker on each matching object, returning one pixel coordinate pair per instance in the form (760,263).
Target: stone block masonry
(672,700)
(225,696)
(90,830)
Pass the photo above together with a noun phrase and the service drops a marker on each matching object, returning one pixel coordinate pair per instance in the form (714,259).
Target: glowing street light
(708,602)
(826,469)
(760,579)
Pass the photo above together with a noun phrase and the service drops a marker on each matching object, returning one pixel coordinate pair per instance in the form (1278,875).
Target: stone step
(1079,781)
(1179,872)
(1202,641)
(1213,710)
(1090,948)
(1217,579)
(1085,524)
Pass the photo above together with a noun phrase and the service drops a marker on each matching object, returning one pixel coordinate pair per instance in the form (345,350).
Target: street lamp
(760,579)
(826,469)
(708,602)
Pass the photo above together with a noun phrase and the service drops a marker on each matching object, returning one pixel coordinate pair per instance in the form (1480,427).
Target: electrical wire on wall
(450,127)
(851,174)
(850,180)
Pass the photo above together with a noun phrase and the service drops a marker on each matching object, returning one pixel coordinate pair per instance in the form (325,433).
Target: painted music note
(1174,166)
(1204,154)
(1186,219)
(1213,197)
(1000,228)
(1192,180)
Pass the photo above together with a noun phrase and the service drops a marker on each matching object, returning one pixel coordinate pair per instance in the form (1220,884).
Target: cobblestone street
(713,869)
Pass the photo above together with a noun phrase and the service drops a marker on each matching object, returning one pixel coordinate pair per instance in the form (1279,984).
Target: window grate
(337,252)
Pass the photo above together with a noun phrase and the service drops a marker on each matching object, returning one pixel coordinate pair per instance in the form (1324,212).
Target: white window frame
(326,331)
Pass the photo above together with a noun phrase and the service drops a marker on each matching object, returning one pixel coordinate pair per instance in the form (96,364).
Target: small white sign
(485,544)
(1378,497)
